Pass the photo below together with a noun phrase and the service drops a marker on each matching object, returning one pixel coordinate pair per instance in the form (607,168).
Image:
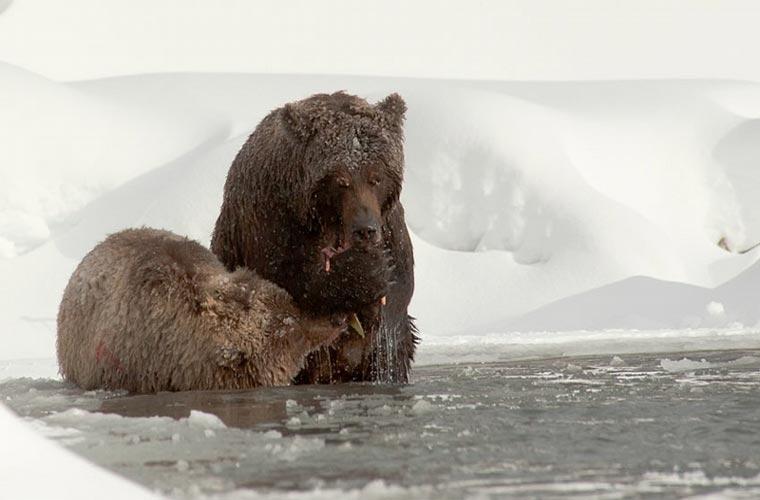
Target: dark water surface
(592,427)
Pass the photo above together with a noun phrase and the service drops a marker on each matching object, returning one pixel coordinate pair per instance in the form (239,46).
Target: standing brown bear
(311,202)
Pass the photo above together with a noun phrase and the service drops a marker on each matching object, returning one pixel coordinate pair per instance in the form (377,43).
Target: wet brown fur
(147,310)
(274,221)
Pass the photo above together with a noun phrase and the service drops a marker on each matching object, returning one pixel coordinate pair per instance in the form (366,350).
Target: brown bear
(147,310)
(311,202)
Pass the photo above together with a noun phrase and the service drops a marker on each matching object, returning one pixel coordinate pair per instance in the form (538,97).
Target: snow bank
(33,467)
(554,206)
(648,303)
(498,347)
(62,149)
(45,368)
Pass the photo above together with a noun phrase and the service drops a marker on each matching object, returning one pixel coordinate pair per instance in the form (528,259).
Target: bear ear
(393,110)
(298,121)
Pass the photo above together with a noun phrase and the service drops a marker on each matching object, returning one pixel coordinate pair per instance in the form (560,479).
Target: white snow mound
(31,467)
(533,206)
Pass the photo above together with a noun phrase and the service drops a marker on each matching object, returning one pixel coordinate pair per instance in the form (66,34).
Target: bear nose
(368,233)
(365,230)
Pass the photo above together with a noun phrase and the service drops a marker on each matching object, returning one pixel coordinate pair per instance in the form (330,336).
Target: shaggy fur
(147,310)
(274,222)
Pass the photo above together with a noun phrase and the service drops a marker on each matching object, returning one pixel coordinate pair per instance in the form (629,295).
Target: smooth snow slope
(517,194)
(647,303)
(62,149)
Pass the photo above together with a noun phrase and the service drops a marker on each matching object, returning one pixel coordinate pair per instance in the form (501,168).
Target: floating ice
(715,309)
(204,420)
(422,406)
(684,365)
(617,361)
(293,422)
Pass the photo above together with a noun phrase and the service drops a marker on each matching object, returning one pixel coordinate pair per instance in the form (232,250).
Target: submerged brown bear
(147,310)
(311,203)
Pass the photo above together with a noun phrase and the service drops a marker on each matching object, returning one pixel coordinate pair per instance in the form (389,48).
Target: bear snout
(365,230)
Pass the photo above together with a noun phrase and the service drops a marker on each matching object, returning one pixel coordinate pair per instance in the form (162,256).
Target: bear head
(351,172)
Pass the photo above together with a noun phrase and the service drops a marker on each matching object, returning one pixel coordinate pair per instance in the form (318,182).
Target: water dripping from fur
(385,353)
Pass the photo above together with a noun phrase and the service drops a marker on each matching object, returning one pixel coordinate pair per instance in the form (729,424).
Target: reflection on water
(603,427)
(266,408)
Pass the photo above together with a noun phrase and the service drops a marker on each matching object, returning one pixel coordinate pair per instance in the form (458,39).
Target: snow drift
(518,194)
(647,303)
(33,467)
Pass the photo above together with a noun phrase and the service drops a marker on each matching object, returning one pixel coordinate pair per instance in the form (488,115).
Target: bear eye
(374,180)
(342,182)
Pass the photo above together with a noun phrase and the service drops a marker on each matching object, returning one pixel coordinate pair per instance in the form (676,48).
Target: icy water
(635,426)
